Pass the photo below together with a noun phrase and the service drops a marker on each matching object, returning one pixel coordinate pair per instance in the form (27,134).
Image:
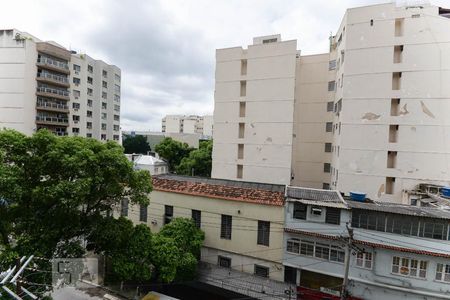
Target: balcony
(52,92)
(51,106)
(52,79)
(49,120)
(51,64)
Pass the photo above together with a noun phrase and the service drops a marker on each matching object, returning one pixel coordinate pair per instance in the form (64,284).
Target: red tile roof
(370,244)
(217,191)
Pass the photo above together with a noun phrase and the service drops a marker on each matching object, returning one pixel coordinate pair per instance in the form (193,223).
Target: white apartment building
(370,115)
(397,252)
(44,85)
(202,125)
(254,111)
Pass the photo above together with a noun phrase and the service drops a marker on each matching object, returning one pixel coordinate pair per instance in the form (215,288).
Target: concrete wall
(423,151)
(269,107)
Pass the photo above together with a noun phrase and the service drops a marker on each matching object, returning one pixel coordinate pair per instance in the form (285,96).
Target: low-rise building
(243,225)
(398,251)
(202,125)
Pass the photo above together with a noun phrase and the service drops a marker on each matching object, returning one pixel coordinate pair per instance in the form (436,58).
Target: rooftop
(257,193)
(316,197)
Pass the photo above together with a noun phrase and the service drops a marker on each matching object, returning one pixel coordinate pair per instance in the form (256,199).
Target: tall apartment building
(370,115)
(192,124)
(44,85)
(254,111)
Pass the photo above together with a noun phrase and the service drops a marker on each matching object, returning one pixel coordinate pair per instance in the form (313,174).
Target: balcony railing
(54,63)
(58,78)
(51,105)
(58,92)
(52,120)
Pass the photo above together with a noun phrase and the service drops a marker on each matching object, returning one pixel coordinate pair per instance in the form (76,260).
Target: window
(197,217)
(322,251)
(240,151)
(393,133)
(116,137)
(90,69)
(329,127)
(89,103)
(443,272)
(89,125)
(300,211)
(326,167)
(391,159)
(332,65)
(328,147)
(337,254)
(89,114)
(307,248)
(75,130)
(224,262)
(117,77)
(398,51)
(168,214)
(103,137)
(241,130)
(76,94)
(261,271)
(103,126)
(89,135)
(124,207)
(263,233)
(242,106)
(390,183)
(331,85)
(116,107)
(75,105)
(76,81)
(243,88)
(104,84)
(399,26)
(104,116)
(116,98)
(409,267)
(243,67)
(290,275)
(274,40)
(330,106)
(395,107)
(104,105)
(104,74)
(325,186)
(89,92)
(104,95)
(116,118)
(116,127)
(225,227)
(143,210)
(75,118)
(364,260)
(396,81)
(76,68)
(117,89)
(239,171)
(333,215)
(293,246)
(90,80)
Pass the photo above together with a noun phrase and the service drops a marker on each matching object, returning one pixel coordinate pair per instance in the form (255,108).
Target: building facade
(243,225)
(44,85)
(254,110)
(201,125)
(370,115)
(397,251)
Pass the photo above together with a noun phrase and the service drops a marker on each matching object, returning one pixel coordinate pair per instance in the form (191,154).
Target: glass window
(143,211)
(293,246)
(224,262)
(168,213)
(300,211)
(263,233)
(307,248)
(261,271)
(197,217)
(225,228)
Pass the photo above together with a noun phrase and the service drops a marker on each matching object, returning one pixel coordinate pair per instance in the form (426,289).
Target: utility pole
(348,249)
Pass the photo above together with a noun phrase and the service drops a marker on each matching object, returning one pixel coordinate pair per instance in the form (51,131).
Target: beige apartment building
(254,111)
(44,85)
(369,116)
(202,125)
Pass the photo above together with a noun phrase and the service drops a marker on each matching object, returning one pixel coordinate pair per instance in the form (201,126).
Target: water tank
(358,196)
(446,191)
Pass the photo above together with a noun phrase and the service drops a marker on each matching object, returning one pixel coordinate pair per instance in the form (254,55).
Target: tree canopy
(198,162)
(135,144)
(53,190)
(172,151)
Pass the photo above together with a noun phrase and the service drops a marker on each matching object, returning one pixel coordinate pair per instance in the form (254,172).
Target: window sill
(410,277)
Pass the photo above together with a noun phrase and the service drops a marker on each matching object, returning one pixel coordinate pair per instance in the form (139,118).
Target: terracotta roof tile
(218,191)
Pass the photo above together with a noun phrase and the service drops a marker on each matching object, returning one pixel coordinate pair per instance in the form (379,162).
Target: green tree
(55,189)
(176,249)
(199,161)
(172,151)
(135,144)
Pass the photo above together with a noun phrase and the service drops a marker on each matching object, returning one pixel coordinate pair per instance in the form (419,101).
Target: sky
(166,48)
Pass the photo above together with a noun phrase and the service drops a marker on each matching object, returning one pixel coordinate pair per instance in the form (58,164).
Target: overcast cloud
(166,48)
